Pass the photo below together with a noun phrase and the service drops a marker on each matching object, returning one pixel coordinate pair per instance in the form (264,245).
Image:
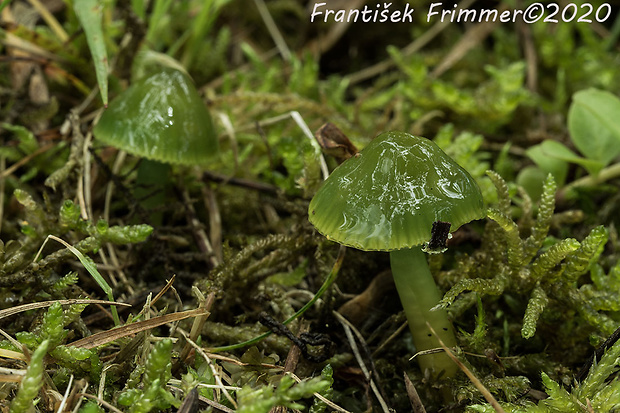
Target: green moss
(30,384)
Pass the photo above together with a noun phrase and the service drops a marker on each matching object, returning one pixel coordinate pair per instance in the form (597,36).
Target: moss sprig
(539,266)
(242,267)
(599,392)
(157,372)
(16,264)
(287,394)
(31,382)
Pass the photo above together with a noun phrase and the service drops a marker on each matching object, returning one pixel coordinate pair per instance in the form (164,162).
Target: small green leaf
(531,178)
(550,153)
(545,157)
(69,214)
(89,14)
(593,124)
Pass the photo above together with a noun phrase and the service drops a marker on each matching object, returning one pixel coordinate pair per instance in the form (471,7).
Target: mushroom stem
(418,294)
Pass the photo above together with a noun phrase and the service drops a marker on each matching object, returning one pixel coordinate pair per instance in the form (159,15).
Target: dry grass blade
(104,337)
(33,306)
(8,171)
(216,405)
(190,403)
(11,40)
(472,38)
(102,402)
(414,398)
(205,304)
(485,392)
(214,370)
(51,21)
(409,50)
(10,354)
(65,397)
(328,402)
(324,42)
(164,290)
(2,180)
(8,375)
(272,27)
(349,329)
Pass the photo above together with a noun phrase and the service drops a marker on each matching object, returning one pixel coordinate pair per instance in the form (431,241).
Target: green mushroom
(160,117)
(388,198)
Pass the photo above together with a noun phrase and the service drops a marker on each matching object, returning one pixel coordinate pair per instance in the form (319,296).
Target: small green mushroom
(160,117)
(387,198)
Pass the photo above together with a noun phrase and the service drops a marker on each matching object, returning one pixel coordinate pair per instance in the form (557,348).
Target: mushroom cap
(160,117)
(388,196)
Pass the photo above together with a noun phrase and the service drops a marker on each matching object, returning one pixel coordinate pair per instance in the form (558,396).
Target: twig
(245,183)
(470,39)
(390,338)
(8,171)
(485,392)
(216,374)
(199,233)
(529,50)
(348,328)
(101,401)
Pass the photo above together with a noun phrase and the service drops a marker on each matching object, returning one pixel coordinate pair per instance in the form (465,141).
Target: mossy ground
(534,288)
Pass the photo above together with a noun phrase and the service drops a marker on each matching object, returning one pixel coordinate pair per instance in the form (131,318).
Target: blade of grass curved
(42,304)
(104,337)
(90,266)
(89,14)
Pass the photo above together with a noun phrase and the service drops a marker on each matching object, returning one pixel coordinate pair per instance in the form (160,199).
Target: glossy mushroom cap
(389,195)
(160,117)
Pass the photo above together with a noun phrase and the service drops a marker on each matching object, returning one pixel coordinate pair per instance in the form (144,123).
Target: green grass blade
(89,14)
(90,266)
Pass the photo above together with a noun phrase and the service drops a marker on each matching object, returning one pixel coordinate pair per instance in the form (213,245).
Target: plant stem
(568,192)
(418,294)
